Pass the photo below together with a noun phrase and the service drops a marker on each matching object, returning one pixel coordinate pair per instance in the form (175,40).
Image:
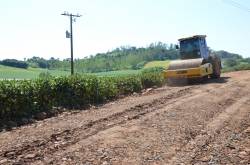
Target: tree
(230,62)
(40,62)
(15,63)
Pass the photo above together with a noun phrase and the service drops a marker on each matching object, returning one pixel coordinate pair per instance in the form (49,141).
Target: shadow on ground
(219,80)
(185,82)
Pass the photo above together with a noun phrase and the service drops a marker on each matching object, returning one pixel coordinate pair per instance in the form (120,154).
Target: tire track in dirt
(66,138)
(88,147)
(191,152)
(61,147)
(224,104)
(89,129)
(231,144)
(75,119)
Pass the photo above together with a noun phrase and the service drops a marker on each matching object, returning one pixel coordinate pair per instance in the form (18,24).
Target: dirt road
(195,124)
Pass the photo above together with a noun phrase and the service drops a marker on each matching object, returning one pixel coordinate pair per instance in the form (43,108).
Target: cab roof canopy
(191,37)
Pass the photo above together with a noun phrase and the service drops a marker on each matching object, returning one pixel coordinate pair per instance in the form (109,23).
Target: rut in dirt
(190,125)
(69,137)
(166,130)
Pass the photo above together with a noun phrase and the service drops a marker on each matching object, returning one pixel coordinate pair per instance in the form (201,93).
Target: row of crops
(24,99)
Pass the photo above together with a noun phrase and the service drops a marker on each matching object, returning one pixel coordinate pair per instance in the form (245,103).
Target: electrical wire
(236,4)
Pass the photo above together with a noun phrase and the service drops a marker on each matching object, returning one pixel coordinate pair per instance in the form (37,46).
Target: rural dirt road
(195,124)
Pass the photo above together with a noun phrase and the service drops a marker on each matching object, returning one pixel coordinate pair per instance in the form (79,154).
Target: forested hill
(226,55)
(128,57)
(125,57)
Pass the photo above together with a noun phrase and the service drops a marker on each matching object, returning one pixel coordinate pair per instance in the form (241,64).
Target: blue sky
(36,28)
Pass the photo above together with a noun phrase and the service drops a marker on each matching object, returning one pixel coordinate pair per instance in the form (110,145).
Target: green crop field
(152,64)
(30,73)
(26,98)
(118,73)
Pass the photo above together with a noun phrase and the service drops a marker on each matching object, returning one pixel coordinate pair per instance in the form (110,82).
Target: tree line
(125,57)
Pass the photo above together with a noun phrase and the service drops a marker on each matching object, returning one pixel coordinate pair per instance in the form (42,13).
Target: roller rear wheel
(216,63)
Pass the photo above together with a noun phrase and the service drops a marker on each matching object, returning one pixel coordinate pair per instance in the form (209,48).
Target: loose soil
(206,123)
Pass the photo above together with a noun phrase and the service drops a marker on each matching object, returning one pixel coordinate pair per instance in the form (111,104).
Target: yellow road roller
(196,61)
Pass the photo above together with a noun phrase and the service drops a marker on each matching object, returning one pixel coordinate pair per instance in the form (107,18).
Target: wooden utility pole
(70,35)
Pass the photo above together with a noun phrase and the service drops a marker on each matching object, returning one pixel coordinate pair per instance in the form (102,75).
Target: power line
(70,35)
(236,4)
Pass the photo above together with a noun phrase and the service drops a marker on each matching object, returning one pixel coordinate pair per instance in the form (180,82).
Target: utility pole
(70,35)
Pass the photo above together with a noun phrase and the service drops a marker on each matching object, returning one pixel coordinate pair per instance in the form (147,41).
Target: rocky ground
(195,124)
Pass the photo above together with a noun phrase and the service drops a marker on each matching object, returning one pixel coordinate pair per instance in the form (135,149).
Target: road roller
(196,62)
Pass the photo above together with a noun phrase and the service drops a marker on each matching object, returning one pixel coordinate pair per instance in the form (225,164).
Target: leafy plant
(152,77)
(45,75)
(27,98)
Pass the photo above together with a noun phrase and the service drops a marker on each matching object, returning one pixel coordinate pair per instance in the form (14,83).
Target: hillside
(163,64)
(7,72)
(29,73)
(123,60)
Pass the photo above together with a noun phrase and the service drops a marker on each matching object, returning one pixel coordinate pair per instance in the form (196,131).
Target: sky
(37,28)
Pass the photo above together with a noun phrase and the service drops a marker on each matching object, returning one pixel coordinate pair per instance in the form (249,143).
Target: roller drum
(186,64)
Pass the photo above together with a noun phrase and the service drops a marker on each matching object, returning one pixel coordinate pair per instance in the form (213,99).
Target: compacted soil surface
(206,123)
